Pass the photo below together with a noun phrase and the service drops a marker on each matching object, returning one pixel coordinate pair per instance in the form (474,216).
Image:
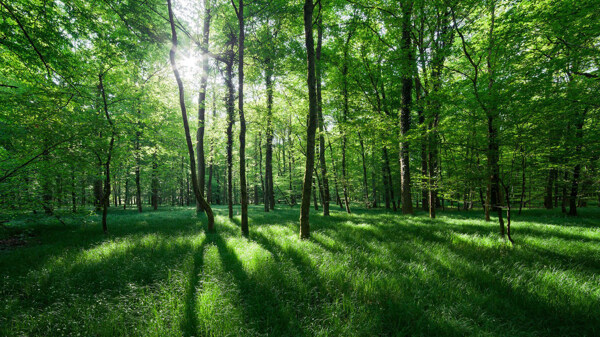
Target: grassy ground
(365,274)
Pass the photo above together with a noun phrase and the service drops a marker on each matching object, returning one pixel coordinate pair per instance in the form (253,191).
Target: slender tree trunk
(138,188)
(243,184)
(269,194)
(325,179)
(577,169)
(154,183)
(335,176)
(390,182)
(407,81)
(314,193)
(202,105)
(186,127)
(364,169)
(312,120)
(126,199)
(106,196)
(230,108)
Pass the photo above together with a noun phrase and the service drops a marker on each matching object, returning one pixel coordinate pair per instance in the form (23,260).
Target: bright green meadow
(370,273)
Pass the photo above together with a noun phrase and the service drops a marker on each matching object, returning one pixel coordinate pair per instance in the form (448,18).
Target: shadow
(262,308)
(189,324)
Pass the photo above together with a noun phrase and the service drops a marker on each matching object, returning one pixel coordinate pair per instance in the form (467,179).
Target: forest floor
(369,273)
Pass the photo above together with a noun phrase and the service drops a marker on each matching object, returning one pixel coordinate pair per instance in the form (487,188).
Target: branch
(27,36)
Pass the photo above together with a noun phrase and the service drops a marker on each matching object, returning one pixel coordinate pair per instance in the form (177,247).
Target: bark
(230,119)
(138,188)
(312,120)
(325,179)
(291,160)
(335,176)
(126,199)
(390,182)
(184,116)
(364,169)
(345,120)
(202,105)
(407,81)
(314,194)
(243,184)
(106,196)
(269,194)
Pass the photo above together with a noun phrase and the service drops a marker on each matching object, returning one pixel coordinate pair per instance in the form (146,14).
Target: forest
(299,168)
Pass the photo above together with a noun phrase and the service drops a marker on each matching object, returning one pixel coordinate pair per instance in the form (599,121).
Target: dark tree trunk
(243,184)
(325,179)
(364,169)
(314,194)
(291,160)
(269,194)
(390,181)
(230,120)
(346,112)
(312,120)
(202,105)
(126,199)
(106,196)
(335,176)
(260,171)
(407,83)
(138,188)
(154,183)
(186,127)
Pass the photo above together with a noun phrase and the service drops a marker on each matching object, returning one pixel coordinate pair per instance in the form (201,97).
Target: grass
(365,274)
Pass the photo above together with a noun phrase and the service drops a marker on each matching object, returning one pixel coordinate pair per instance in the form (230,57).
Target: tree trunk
(325,179)
(230,108)
(407,81)
(312,120)
(243,184)
(269,194)
(106,196)
(154,183)
(335,176)
(186,127)
(364,169)
(390,181)
(202,105)
(577,169)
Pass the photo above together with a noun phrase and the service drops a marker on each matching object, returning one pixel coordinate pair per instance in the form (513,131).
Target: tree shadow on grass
(189,324)
(262,308)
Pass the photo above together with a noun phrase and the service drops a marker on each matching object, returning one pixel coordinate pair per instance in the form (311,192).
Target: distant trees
(485,105)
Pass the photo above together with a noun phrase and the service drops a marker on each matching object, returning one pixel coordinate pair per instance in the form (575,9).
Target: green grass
(365,274)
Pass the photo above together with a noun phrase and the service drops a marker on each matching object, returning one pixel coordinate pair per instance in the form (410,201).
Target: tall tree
(188,138)
(311,120)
